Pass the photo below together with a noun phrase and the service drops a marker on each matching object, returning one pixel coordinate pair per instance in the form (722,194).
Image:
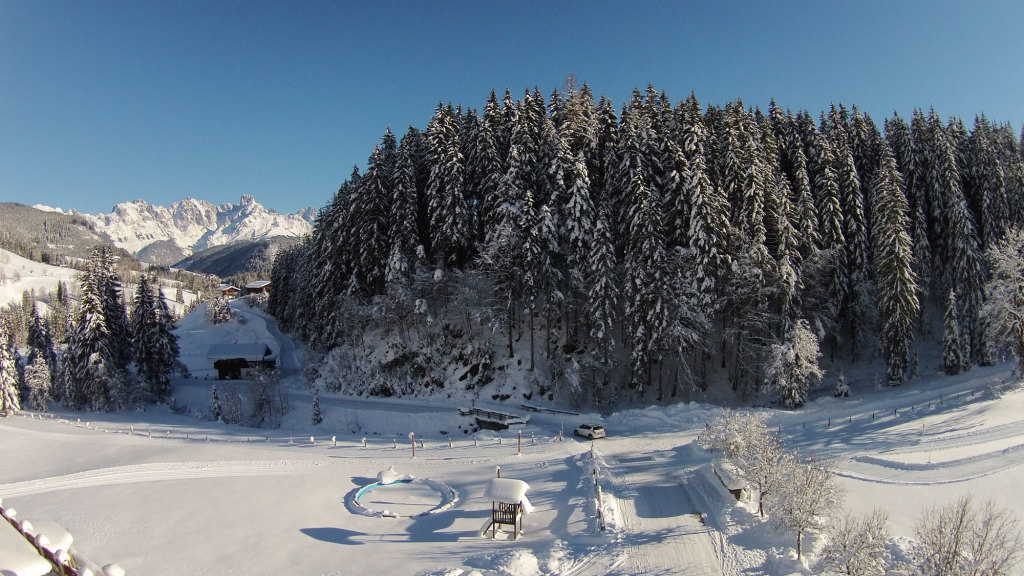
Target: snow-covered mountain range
(165,235)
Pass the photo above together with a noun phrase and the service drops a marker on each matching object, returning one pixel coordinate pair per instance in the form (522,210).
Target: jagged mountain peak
(191,224)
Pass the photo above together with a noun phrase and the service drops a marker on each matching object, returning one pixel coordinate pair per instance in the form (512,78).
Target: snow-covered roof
(251,351)
(508,490)
(257,284)
(224,287)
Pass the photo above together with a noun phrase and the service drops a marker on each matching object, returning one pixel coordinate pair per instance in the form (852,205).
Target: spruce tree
(646,313)
(119,345)
(501,255)
(215,408)
(143,327)
(858,306)
(167,348)
(960,265)
(901,142)
(318,416)
(953,357)
(87,381)
(372,220)
(10,397)
(892,256)
(38,381)
(603,299)
(579,223)
(447,209)
(40,342)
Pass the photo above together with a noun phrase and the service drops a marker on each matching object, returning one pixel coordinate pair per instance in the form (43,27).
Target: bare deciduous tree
(807,498)
(963,539)
(856,546)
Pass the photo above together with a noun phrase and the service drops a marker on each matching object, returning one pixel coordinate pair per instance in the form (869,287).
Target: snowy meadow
(160,492)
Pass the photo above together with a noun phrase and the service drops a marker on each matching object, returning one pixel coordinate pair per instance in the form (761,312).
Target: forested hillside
(653,248)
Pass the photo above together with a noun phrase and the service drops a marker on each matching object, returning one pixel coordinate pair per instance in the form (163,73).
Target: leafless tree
(964,539)
(856,546)
(807,498)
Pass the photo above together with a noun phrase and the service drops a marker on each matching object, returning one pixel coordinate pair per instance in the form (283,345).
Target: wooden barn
(258,287)
(234,361)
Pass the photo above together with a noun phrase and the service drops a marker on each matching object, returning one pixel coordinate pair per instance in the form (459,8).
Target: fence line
(325,442)
(995,387)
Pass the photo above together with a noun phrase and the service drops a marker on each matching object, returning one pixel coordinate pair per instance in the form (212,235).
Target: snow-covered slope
(19,275)
(192,225)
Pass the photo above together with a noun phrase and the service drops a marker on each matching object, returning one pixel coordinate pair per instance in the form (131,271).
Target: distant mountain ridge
(166,235)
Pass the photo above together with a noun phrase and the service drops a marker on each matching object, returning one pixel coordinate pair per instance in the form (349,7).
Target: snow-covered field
(169,494)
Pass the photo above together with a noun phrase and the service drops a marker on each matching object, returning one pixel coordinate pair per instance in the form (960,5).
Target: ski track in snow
(881,470)
(137,473)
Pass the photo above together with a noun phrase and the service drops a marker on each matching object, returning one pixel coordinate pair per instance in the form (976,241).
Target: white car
(589,431)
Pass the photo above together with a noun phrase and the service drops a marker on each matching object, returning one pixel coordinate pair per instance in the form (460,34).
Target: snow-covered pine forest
(90,354)
(646,252)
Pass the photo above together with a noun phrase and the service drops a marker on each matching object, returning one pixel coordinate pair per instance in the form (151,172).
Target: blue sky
(108,101)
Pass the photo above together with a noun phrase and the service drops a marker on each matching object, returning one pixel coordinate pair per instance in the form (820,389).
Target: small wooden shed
(508,504)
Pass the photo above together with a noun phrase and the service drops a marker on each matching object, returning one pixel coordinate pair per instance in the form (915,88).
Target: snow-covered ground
(162,493)
(19,275)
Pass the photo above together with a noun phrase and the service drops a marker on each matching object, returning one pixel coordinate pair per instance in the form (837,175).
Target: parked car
(589,431)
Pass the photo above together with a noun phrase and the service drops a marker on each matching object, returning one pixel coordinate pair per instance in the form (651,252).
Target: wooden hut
(234,361)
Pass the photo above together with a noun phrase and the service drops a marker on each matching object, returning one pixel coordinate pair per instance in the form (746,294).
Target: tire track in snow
(138,473)
(661,532)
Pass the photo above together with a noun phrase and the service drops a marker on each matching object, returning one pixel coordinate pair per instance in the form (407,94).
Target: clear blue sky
(108,101)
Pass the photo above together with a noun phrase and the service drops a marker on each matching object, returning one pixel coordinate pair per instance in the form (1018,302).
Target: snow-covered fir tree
(765,219)
(38,381)
(793,365)
(216,412)
(1004,295)
(318,415)
(449,215)
(40,342)
(602,300)
(218,310)
(144,332)
(103,264)
(953,357)
(898,306)
(156,348)
(86,383)
(167,349)
(10,397)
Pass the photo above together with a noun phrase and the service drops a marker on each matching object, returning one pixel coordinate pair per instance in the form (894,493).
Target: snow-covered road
(661,530)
